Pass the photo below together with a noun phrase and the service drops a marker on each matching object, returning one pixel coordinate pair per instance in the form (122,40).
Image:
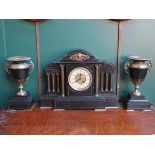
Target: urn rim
(19,58)
(139,58)
(19,66)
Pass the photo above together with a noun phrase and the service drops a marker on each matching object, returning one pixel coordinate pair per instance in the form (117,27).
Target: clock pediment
(78,56)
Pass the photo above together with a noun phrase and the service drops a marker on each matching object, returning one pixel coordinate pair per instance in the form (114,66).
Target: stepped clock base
(79,103)
(21,102)
(132,102)
(111,101)
(47,101)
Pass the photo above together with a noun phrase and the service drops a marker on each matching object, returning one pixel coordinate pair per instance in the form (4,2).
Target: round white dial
(80,79)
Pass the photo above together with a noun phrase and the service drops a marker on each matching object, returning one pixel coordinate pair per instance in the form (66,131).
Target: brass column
(97,79)
(62,80)
(106,84)
(57,81)
(48,81)
(53,80)
(111,82)
(102,83)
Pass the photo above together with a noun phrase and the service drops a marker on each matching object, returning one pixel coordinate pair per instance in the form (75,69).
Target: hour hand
(77,78)
(83,78)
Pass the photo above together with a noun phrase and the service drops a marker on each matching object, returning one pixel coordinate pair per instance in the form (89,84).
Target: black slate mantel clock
(79,81)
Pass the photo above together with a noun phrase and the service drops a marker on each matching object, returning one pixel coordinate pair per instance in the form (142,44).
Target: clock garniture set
(79,81)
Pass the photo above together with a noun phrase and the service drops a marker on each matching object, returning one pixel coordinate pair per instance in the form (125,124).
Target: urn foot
(133,102)
(21,102)
(21,93)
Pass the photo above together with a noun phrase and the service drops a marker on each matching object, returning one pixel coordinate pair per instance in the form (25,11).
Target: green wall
(17,37)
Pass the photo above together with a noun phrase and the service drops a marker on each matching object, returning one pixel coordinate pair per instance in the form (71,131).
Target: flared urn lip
(138,58)
(19,58)
(19,66)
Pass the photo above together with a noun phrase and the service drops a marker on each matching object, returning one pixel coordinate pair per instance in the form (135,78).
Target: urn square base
(21,102)
(132,102)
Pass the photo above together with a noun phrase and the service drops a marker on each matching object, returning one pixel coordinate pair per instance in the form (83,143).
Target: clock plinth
(79,81)
(79,103)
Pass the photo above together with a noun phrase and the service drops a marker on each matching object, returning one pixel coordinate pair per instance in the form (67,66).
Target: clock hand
(83,78)
(78,78)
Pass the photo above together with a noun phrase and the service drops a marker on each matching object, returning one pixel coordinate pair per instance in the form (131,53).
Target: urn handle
(7,68)
(31,66)
(150,65)
(126,67)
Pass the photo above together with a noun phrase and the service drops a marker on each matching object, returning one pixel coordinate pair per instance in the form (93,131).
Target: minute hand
(78,79)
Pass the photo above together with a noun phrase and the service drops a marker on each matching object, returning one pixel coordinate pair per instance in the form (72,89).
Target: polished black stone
(21,102)
(74,102)
(132,102)
(19,73)
(136,73)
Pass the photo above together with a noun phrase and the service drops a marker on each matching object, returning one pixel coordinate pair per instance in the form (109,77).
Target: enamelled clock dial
(80,79)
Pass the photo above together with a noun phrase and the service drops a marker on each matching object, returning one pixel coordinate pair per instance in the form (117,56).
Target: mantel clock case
(79,81)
